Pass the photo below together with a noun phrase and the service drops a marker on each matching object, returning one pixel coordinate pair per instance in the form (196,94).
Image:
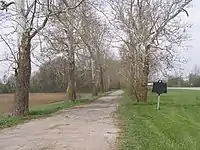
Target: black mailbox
(159,87)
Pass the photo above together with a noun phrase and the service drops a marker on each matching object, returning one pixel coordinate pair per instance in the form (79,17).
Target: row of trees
(52,77)
(67,37)
(72,39)
(192,80)
(153,31)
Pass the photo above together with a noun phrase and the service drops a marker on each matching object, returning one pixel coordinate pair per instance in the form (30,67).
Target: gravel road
(88,127)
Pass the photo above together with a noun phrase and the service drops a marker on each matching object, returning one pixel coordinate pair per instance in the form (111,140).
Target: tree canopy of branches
(152,30)
(31,17)
(73,44)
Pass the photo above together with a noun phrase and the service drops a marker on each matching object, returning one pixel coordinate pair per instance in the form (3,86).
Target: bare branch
(30,8)
(4,5)
(70,8)
(9,47)
(40,28)
(76,5)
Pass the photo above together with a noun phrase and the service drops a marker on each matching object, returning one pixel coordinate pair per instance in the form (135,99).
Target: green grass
(176,126)
(45,111)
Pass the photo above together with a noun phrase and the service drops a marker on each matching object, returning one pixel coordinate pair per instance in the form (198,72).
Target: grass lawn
(45,111)
(176,126)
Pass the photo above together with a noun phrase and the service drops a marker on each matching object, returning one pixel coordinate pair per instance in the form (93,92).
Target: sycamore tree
(30,17)
(151,32)
(61,39)
(79,35)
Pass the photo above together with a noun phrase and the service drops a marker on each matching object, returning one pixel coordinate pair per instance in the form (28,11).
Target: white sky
(192,54)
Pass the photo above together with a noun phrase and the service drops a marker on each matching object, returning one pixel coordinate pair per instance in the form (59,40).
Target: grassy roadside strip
(46,111)
(176,126)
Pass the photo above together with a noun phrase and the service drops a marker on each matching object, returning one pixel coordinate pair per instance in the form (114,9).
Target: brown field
(36,99)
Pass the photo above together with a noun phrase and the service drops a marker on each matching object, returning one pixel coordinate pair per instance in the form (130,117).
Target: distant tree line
(52,77)
(193,79)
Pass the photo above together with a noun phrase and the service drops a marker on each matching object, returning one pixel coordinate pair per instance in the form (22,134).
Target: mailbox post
(159,88)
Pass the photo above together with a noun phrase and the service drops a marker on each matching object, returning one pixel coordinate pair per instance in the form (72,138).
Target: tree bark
(23,74)
(23,71)
(144,80)
(101,80)
(94,84)
(71,88)
(108,83)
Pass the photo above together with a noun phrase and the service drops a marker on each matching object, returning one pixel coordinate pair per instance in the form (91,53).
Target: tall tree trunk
(108,84)
(144,76)
(101,79)
(100,75)
(146,73)
(23,74)
(71,88)
(94,84)
(144,84)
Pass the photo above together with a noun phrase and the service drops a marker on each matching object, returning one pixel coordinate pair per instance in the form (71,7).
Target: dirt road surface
(89,127)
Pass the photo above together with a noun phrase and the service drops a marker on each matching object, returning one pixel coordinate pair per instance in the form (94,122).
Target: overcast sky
(192,54)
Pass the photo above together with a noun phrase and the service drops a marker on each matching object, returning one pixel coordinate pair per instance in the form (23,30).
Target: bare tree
(27,15)
(152,30)
(64,39)
(94,33)
(88,38)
